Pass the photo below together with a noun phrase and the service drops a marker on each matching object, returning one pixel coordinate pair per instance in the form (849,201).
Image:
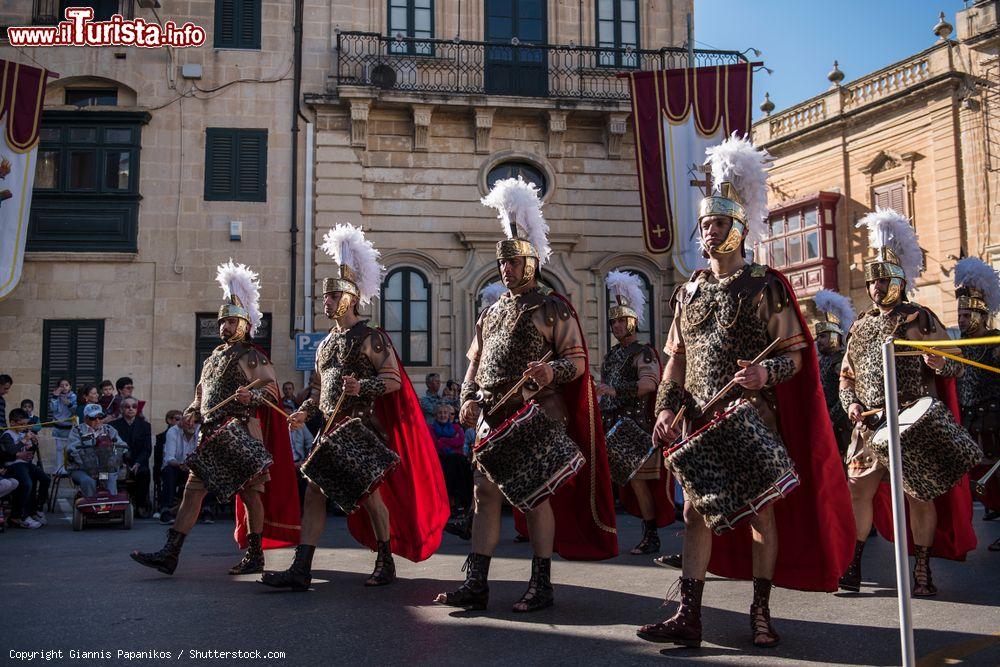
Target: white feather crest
(974,272)
(629,287)
(889,229)
(516,201)
(839,305)
(739,162)
(347,244)
(239,280)
(491,294)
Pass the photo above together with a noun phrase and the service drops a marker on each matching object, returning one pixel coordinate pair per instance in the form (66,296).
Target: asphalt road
(65,591)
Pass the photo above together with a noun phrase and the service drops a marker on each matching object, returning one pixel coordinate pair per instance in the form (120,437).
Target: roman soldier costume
(898,262)
(243,448)
(375,442)
(837,316)
(721,322)
(629,368)
(541,439)
(977,287)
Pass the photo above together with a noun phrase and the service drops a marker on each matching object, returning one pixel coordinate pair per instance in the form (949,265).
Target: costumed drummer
(512,338)
(977,287)
(630,375)
(243,444)
(837,315)
(766,436)
(375,436)
(889,276)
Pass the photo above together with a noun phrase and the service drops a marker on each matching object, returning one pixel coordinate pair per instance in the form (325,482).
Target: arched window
(647,330)
(525,170)
(406,314)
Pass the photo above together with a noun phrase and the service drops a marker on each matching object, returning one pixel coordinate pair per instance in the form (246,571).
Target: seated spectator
(137,434)
(85,465)
(18,446)
(450,395)
(125,387)
(86,395)
(288,401)
(182,439)
(107,394)
(7,486)
(172,418)
(449,438)
(62,407)
(28,406)
(5,382)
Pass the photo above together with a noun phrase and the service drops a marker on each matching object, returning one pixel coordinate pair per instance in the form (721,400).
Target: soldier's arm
(670,393)
(848,396)
(384,360)
(195,407)
(570,360)
(929,327)
(777,309)
(469,385)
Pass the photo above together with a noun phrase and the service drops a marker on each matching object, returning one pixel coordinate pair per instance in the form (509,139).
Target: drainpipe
(293,228)
(307,251)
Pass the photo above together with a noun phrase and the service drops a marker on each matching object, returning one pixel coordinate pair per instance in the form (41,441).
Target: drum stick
(276,408)
(517,387)
(256,384)
(732,383)
(934,351)
(678,417)
(870,413)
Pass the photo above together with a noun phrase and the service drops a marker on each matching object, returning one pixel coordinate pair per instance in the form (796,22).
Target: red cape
(816,532)
(662,489)
(955,536)
(584,507)
(414,492)
(282,518)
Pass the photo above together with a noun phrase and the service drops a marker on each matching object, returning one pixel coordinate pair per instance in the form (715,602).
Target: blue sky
(800,39)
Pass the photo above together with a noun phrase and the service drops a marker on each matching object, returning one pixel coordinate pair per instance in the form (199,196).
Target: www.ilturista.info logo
(80,30)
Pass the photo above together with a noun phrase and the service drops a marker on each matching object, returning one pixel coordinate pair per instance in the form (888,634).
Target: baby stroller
(102,459)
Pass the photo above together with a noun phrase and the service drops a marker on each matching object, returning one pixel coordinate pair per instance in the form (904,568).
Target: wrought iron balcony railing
(50,12)
(507,68)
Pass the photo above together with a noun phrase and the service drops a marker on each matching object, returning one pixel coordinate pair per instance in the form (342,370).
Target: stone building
(155,165)
(921,135)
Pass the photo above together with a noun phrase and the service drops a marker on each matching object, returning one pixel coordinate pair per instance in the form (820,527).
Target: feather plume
(347,244)
(628,286)
(838,305)
(491,294)
(889,229)
(239,280)
(974,272)
(739,162)
(516,202)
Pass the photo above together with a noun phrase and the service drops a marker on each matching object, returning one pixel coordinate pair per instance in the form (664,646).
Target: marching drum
(228,458)
(628,448)
(732,467)
(528,457)
(936,451)
(349,463)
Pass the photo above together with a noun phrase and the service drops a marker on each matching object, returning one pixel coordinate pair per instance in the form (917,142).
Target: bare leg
(697,544)
(486,522)
(765,543)
(255,510)
(863,491)
(923,521)
(313,515)
(379,515)
(542,528)
(644,498)
(190,507)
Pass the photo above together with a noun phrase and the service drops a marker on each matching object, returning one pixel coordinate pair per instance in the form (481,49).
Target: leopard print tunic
(619,370)
(978,385)
(864,350)
(342,354)
(510,341)
(221,376)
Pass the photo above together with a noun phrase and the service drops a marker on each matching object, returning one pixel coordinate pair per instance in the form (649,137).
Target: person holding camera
(18,446)
(62,407)
(84,463)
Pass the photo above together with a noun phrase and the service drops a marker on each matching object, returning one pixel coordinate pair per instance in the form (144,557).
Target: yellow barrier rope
(947,355)
(985,340)
(28,427)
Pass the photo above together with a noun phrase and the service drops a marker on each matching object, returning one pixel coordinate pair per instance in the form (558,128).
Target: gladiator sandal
(475,592)
(923,585)
(298,576)
(253,559)
(385,567)
(650,539)
(164,560)
(684,627)
(764,635)
(851,580)
(540,593)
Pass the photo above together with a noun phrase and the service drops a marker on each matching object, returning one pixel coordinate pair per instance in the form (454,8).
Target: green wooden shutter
(220,158)
(251,166)
(249,28)
(72,349)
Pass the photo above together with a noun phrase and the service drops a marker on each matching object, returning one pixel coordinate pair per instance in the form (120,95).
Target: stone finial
(767,106)
(835,76)
(942,29)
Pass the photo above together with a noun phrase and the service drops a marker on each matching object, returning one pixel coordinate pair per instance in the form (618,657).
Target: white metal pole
(898,507)
(307,273)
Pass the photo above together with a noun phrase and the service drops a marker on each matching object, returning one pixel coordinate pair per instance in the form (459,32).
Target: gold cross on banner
(659,230)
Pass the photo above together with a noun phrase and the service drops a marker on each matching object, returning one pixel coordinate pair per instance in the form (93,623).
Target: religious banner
(22,94)
(677,114)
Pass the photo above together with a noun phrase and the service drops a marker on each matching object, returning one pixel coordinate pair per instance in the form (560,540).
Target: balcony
(50,12)
(458,67)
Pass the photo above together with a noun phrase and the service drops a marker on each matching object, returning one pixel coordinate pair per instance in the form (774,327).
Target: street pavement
(66,591)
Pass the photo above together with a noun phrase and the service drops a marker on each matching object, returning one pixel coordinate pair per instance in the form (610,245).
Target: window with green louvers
(237,24)
(235,164)
(71,349)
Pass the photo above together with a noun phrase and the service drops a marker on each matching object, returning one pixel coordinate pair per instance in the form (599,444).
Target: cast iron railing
(507,68)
